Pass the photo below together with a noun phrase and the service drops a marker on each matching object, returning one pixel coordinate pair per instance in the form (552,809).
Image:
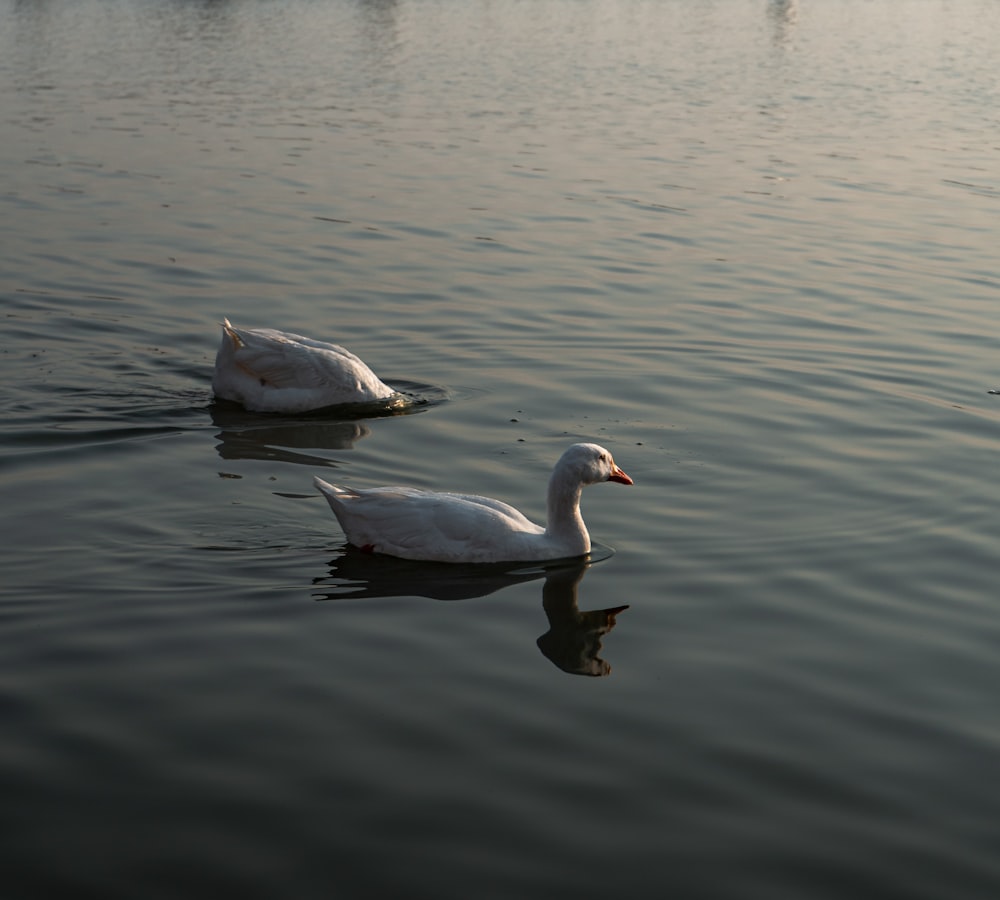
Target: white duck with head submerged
(275,371)
(464,528)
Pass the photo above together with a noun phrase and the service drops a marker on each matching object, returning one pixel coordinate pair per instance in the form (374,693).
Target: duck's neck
(565,523)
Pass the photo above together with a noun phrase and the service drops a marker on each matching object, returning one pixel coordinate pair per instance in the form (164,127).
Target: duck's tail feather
(231,333)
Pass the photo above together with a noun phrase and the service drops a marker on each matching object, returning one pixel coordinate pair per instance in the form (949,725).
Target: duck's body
(273,371)
(465,528)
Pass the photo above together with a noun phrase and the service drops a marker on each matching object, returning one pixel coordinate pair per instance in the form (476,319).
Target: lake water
(748,245)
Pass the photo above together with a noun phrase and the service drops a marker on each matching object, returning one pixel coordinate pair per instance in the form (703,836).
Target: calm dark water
(749,246)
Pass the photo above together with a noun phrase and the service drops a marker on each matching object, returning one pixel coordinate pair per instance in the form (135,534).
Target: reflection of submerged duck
(463,528)
(273,371)
(247,435)
(573,640)
(251,435)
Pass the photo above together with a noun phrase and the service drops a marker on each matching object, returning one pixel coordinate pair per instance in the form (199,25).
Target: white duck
(463,528)
(273,371)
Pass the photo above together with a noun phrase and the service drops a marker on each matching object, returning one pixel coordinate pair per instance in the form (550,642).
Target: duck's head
(591,463)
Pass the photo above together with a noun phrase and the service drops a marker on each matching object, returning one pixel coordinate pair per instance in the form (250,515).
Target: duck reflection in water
(574,639)
(251,435)
(783,15)
(247,435)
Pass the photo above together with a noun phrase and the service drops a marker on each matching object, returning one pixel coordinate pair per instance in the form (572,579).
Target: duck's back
(432,525)
(274,371)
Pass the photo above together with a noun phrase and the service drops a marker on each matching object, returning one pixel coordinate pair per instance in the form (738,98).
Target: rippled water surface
(750,246)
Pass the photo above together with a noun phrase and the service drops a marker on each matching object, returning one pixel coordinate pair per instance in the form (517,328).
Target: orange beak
(619,476)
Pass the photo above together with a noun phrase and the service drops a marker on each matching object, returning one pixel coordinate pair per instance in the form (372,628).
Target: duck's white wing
(418,524)
(287,366)
(287,361)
